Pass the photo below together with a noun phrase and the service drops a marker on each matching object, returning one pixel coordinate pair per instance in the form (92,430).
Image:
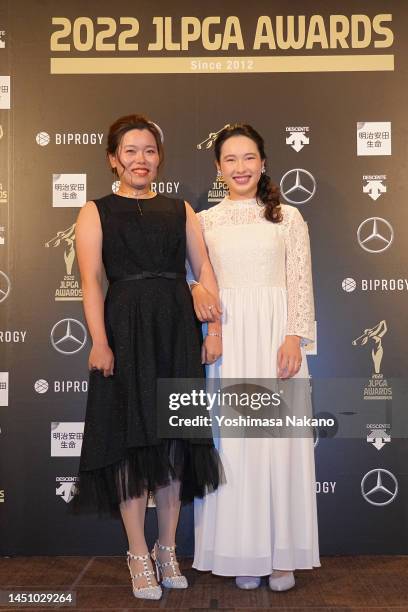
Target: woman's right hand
(101,358)
(206,306)
(211,349)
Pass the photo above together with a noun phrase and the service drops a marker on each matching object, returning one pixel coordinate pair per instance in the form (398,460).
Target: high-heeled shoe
(177,580)
(247,582)
(150,591)
(281,582)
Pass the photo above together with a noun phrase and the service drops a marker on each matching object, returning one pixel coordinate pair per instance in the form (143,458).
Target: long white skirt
(265,516)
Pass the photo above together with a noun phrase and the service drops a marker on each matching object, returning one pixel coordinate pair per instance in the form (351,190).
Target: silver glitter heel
(149,592)
(176,581)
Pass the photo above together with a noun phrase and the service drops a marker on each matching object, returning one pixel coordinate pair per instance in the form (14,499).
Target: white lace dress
(265,516)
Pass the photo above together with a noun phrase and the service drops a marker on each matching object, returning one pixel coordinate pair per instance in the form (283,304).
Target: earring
(263,170)
(219,176)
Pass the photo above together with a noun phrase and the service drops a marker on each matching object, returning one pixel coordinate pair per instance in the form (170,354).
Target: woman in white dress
(263,521)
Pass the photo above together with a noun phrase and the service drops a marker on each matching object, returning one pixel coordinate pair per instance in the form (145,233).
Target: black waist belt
(146,274)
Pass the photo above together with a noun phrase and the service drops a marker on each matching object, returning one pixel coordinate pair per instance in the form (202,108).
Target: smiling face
(136,160)
(240,165)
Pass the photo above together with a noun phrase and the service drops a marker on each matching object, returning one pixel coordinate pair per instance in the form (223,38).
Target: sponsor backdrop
(327,92)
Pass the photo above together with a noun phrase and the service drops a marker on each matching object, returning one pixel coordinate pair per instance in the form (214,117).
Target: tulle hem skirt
(196,467)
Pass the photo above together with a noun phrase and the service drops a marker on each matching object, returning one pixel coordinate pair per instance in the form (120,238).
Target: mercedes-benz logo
(379,487)
(68,336)
(5,286)
(375,235)
(298,186)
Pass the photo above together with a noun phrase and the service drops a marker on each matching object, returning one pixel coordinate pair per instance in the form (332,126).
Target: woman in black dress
(143,330)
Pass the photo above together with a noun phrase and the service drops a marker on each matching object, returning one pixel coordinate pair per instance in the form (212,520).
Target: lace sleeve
(299,279)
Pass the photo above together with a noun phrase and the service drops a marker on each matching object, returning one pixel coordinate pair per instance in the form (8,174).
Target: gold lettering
(232,34)
(158,45)
(109,32)
(169,44)
(264,33)
(83,26)
(132,32)
(338,35)
(356,21)
(291,41)
(65,31)
(189,35)
(383,31)
(215,44)
(317,33)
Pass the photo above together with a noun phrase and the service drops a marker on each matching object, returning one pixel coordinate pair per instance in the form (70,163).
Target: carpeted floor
(342,584)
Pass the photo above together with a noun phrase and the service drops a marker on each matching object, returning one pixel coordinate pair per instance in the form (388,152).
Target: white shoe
(151,591)
(174,581)
(247,582)
(282,582)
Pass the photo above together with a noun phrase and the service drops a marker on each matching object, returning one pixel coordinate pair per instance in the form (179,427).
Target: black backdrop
(56,127)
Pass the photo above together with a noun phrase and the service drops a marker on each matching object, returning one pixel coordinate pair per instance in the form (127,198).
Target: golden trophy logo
(69,288)
(377,387)
(218,191)
(209,141)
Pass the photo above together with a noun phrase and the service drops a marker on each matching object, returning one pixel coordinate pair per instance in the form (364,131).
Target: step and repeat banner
(328,93)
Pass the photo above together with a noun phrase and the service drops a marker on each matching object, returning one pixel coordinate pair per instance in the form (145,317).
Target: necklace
(132,194)
(128,194)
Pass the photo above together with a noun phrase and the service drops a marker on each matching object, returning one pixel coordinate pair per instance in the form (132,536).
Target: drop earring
(219,176)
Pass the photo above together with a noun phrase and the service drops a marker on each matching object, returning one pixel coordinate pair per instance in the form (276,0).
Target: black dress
(153,333)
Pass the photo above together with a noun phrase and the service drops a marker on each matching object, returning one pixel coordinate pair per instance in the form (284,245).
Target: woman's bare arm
(89,252)
(206,293)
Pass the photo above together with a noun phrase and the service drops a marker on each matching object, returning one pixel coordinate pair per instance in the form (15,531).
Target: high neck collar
(249,201)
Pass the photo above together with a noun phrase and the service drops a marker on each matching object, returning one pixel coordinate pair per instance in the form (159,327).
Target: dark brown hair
(132,122)
(268,193)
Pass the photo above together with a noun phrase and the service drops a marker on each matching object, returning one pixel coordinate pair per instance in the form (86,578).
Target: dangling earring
(263,170)
(219,176)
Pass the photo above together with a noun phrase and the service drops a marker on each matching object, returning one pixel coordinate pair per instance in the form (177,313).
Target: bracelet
(192,284)
(214,334)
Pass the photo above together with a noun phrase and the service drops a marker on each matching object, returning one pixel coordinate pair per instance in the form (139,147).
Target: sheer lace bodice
(248,251)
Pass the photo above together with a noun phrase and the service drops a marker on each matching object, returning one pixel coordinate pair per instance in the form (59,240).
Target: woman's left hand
(289,357)
(206,306)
